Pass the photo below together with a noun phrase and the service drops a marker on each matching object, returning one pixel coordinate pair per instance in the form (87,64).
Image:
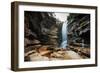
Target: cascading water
(64,35)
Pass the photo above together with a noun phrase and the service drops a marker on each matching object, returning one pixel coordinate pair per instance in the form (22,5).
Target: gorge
(56,36)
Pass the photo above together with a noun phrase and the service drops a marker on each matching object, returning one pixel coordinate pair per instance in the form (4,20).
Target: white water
(64,35)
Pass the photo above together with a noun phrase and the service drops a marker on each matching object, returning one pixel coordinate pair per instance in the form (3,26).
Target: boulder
(32,47)
(73,55)
(53,37)
(26,41)
(46,53)
(38,57)
(56,55)
(30,52)
(35,41)
(42,49)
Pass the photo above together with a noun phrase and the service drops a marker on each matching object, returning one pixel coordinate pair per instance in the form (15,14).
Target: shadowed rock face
(40,30)
(39,24)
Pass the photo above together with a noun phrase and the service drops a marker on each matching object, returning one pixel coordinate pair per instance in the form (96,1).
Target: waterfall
(64,35)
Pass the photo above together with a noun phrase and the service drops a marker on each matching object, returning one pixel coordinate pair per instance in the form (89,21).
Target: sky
(61,16)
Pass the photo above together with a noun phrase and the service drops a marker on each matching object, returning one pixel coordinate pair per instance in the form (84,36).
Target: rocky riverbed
(45,54)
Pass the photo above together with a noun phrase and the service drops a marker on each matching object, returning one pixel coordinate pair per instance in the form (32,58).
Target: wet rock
(57,49)
(38,57)
(53,31)
(73,55)
(26,55)
(66,56)
(61,52)
(53,37)
(33,47)
(26,41)
(30,52)
(35,41)
(53,42)
(29,33)
(42,49)
(56,55)
(31,42)
(46,53)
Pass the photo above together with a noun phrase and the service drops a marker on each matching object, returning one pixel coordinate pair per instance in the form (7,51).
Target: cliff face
(40,30)
(79,28)
(79,32)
